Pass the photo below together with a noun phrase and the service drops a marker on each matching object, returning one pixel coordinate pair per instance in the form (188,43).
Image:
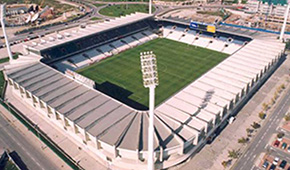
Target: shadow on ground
(18,160)
(120,94)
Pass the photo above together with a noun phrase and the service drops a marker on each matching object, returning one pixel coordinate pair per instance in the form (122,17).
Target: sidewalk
(211,156)
(38,144)
(80,154)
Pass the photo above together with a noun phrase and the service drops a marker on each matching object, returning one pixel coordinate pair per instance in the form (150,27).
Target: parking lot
(277,153)
(273,162)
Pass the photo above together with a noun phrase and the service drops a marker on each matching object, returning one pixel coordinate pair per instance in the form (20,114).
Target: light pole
(284,22)
(150,80)
(150,7)
(2,20)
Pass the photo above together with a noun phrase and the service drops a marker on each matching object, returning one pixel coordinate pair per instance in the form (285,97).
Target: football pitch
(178,65)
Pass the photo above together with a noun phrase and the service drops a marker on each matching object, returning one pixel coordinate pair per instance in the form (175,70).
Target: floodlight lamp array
(149,69)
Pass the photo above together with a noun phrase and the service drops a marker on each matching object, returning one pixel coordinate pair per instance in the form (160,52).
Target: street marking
(266,146)
(253,167)
(24,149)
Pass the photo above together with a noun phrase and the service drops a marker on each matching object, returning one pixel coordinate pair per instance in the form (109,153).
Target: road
(13,140)
(275,152)
(95,13)
(259,143)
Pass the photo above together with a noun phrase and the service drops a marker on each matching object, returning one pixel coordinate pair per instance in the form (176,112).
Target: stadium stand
(118,133)
(131,42)
(89,37)
(183,123)
(220,44)
(119,46)
(141,38)
(78,61)
(216,45)
(150,34)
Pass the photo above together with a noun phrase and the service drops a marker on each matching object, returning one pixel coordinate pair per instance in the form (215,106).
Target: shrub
(243,140)
(256,125)
(280,135)
(262,115)
(265,106)
(249,130)
(233,154)
(287,117)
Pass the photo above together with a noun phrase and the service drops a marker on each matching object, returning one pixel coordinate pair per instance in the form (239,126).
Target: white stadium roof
(76,33)
(200,102)
(179,121)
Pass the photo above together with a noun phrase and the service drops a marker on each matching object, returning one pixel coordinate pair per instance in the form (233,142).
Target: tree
(275,95)
(287,117)
(279,89)
(256,125)
(280,135)
(262,115)
(243,140)
(249,130)
(233,154)
(273,100)
(282,86)
(265,106)
(225,164)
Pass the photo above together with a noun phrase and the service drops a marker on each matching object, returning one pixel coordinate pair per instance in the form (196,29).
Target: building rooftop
(180,118)
(77,32)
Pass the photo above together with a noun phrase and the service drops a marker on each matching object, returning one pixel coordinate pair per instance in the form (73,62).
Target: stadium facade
(118,133)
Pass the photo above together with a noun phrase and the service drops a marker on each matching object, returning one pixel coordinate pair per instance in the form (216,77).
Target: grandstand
(116,132)
(213,42)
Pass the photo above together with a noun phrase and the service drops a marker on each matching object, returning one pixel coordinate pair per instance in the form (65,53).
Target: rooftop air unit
(51,38)
(67,34)
(42,41)
(59,36)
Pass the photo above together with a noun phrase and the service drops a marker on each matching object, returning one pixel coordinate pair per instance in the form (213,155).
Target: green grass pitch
(178,65)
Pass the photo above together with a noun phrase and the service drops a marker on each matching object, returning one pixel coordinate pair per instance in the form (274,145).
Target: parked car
(283,164)
(276,160)
(231,120)
(288,149)
(272,167)
(276,143)
(265,164)
(284,145)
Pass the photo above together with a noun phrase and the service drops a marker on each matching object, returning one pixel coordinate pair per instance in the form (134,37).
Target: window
(63,50)
(79,45)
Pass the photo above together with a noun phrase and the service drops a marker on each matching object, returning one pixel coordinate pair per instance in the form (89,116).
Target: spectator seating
(130,41)
(141,38)
(119,46)
(216,45)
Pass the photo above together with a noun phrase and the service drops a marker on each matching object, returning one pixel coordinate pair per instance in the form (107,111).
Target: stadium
(88,81)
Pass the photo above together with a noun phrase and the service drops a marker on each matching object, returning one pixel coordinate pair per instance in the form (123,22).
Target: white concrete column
(2,20)
(150,6)
(151,128)
(284,23)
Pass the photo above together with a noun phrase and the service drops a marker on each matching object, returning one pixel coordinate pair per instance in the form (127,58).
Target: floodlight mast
(150,80)
(2,20)
(286,14)
(150,6)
